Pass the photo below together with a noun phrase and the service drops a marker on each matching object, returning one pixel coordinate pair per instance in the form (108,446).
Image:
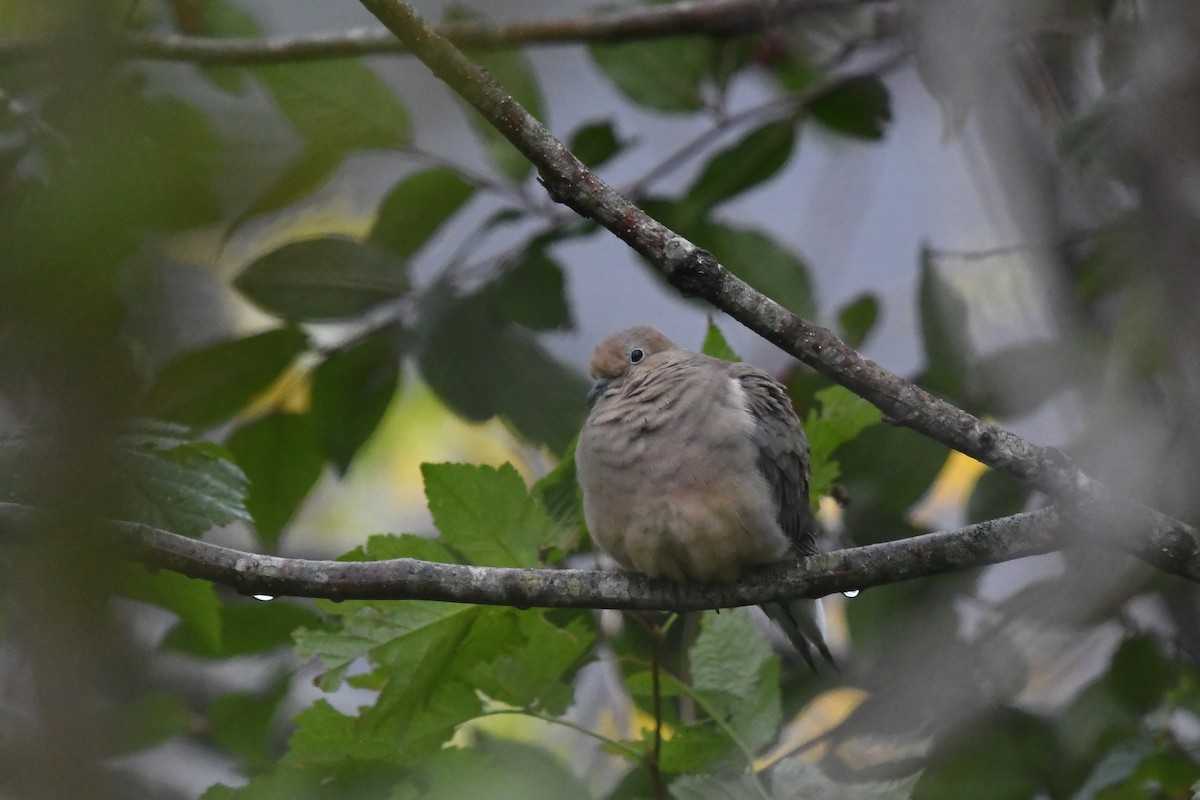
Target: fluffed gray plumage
(693,468)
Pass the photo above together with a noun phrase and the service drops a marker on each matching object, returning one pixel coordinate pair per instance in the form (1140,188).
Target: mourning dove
(693,468)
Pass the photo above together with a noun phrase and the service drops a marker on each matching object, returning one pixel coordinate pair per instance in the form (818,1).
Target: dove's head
(624,353)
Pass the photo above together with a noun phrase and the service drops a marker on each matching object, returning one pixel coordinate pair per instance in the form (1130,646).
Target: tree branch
(695,272)
(409,579)
(716,18)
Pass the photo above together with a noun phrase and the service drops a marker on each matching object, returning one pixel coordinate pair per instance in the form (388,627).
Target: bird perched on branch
(693,468)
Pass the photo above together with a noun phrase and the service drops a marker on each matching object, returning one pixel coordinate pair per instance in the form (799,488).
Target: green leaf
(300,180)
(944,330)
(716,346)
(193,601)
(1140,676)
(511,69)
(664,74)
(726,658)
(282,462)
(763,262)
(160,478)
(1005,755)
(416,207)
(351,391)
(219,19)
(324,736)
(249,626)
(329,278)
(753,160)
(1019,380)
(497,768)
(860,107)
(151,719)
(558,492)
(241,723)
(381,547)
(595,143)
(842,417)
(796,779)
(512,376)
(1116,766)
(996,495)
(208,386)
(486,514)
(709,787)
(532,294)
(337,105)
(857,318)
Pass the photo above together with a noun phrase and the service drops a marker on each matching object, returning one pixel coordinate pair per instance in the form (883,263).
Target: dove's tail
(804,623)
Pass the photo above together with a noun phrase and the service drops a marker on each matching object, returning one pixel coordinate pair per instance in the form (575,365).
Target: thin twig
(655,761)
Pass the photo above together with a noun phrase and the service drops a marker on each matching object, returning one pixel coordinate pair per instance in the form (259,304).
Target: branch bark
(716,18)
(409,579)
(695,272)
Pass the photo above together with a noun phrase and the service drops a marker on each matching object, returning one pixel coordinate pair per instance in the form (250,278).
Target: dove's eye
(636,355)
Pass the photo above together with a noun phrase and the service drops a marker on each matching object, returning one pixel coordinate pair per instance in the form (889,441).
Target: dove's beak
(597,389)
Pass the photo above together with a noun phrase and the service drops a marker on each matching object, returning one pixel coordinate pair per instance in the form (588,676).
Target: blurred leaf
(282,462)
(664,74)
(716,346)
(1020,379)
(208,386)
(763,262)
(511,69)
(220,19)
(860,108)
(996,495)
(351,391)
(241,723)
(497,768)
(1139,675)
(885,471)
(337,105)
(328,278)
(1117,765)
(1008,754)
(416,207)
(843,416)
(193,601)
(151,719)
(1167,773)
(756,158)
(487,514)
(943,331)
(249,626)
(709,787)
(595,143)
(532,294)
(300,180)
(796,779)
(482,366)
(857,318)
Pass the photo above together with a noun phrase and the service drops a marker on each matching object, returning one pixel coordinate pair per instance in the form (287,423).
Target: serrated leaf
(324,736)
(416,207)
(193,601)
(163,480)
(664,74)
(351,391)
(756,158)
(726,658)
(842,417)
(857,318)
(380,547)
(329,278)
(279,455)
(339,105)
(487,514)
(558,492)
(716,346)
(595,143)
(247,627)
(860,107)
(208,386)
